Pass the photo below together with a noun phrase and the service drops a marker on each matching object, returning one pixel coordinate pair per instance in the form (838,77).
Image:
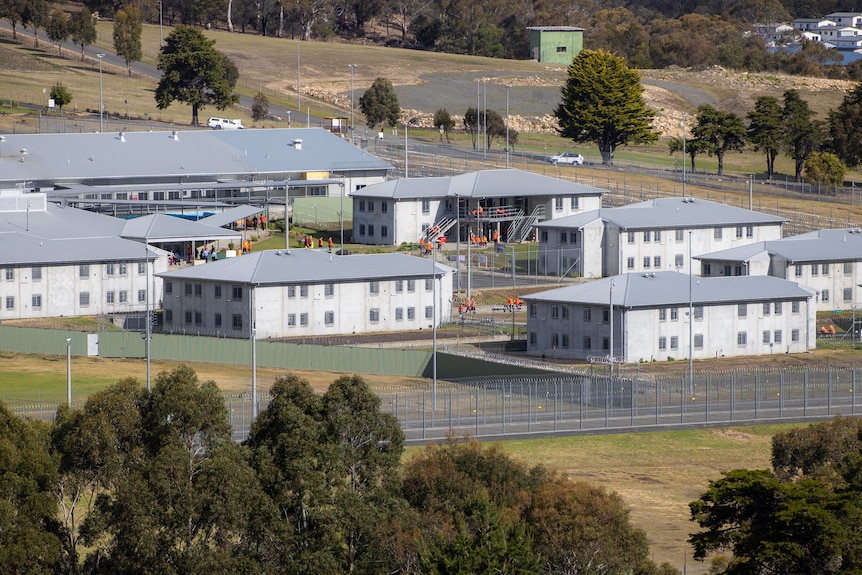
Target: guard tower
(555,44)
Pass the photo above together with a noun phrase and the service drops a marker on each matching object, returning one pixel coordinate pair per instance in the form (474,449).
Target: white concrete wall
(638,333)
(350,304)
(834,281)
(60,288)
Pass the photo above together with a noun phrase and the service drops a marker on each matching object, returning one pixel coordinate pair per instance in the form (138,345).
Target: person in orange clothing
(496,236)
(263,221)
(329,243)
(320,242)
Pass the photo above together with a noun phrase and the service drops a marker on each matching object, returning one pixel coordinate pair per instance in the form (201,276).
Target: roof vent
(23,151)
(297,144)
(175,135)
(122,136)
(652,275)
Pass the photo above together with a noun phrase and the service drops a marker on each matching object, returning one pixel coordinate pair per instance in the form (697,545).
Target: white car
(225,124)
(570,158)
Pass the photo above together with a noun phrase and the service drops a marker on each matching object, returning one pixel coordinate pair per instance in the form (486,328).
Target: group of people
(514,303)
(208,253)
(254,222)
(309,242)
(469,306)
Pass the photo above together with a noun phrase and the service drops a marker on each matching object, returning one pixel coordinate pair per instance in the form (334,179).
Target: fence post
(450,411)
(657,400)
(732,395)
(424,428)
(829,391)
(706,401)
(681,401)
(781,394)
(852,390)
(756,392)
(805,392)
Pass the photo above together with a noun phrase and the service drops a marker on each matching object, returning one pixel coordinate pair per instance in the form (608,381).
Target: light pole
(405,148)
(434,319)
(507,125)
(690,320)
(458,238)
(352,127)
(684,116)
(160,23)
(101,105)
(69,371)
(611,321)
(148,334)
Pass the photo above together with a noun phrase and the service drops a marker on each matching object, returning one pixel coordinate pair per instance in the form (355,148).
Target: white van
(225,124)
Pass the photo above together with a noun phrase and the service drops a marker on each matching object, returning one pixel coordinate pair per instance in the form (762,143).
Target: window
(533,338)
(814,269)
(662,314)
(361,205)
(374,315)
(631,237)
(558,204)
(766,308)
(777,308)
(707,269)
(236,321)
(303,291)
(124,296)
(384,207)
(217,292)
(798,270)
(698,312)
(291,292)
(555,312)
(429,284)
(36,301)
(361,229)
(329,290)
(767,336)
(187,287)
(662,343)
(574,203)
(848,268)
(848,294)
(199,290)
(121,269)
(562,49)
(679,235)
(411,286)
(646,236)
(411,313)
(543,237)
(399,286)
(384,231)
(742,310)
(10,302)
(84,298)
(824,295)
(564,237)
(630,263)
(726,270)
(36,274)
(656,236)
(606,343)
(647,261)
(110,297)
(303,320)
(329,318)
(188,317)
(678,261)
(741,338)
(737,270)
(749,231)
(794,307)
(738,231)
(573,237)
(236,292)
(198,318)
(588,314)
(565,341)
(776,336)
(370,206)
(794,335)
(698,341)
(716,233)
(674,314)
(169,287)
(374,287)
(429,312)
(399,313)
(824,269)
(426,206)
(674,342)
(142,267)
(83,271)
(656,262)
(370,230)
(291,320)
(565,312)
(606,315)
(588,342)
(169,316)
(109,269)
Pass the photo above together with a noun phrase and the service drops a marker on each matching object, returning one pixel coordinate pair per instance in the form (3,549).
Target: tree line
(652,34)
(151,483)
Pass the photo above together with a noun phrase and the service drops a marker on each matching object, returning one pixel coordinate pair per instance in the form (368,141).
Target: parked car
(225,124)
(571,158)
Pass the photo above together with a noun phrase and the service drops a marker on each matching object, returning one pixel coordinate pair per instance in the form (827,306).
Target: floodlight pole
(352,126)
(147,264)
(690,318)
(507,125)
(101,105)
(684,116)
(69,371)
(611,321)
(160,23)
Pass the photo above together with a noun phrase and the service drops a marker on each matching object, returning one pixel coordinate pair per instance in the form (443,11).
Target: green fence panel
(317,209)
(122,344)
(47,341)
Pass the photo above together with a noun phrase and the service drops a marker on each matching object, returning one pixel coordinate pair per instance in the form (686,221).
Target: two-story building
(655,235)
(508,202)
(304,292)
(829,262)
(649,314)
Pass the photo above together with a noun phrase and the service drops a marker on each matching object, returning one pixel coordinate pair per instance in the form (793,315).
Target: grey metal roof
(193,154)
(481,184)
(301,265)
(839,245)
(670,213)
(166,228)
(56,222)
(229,216)
(672,288)
(22,249)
